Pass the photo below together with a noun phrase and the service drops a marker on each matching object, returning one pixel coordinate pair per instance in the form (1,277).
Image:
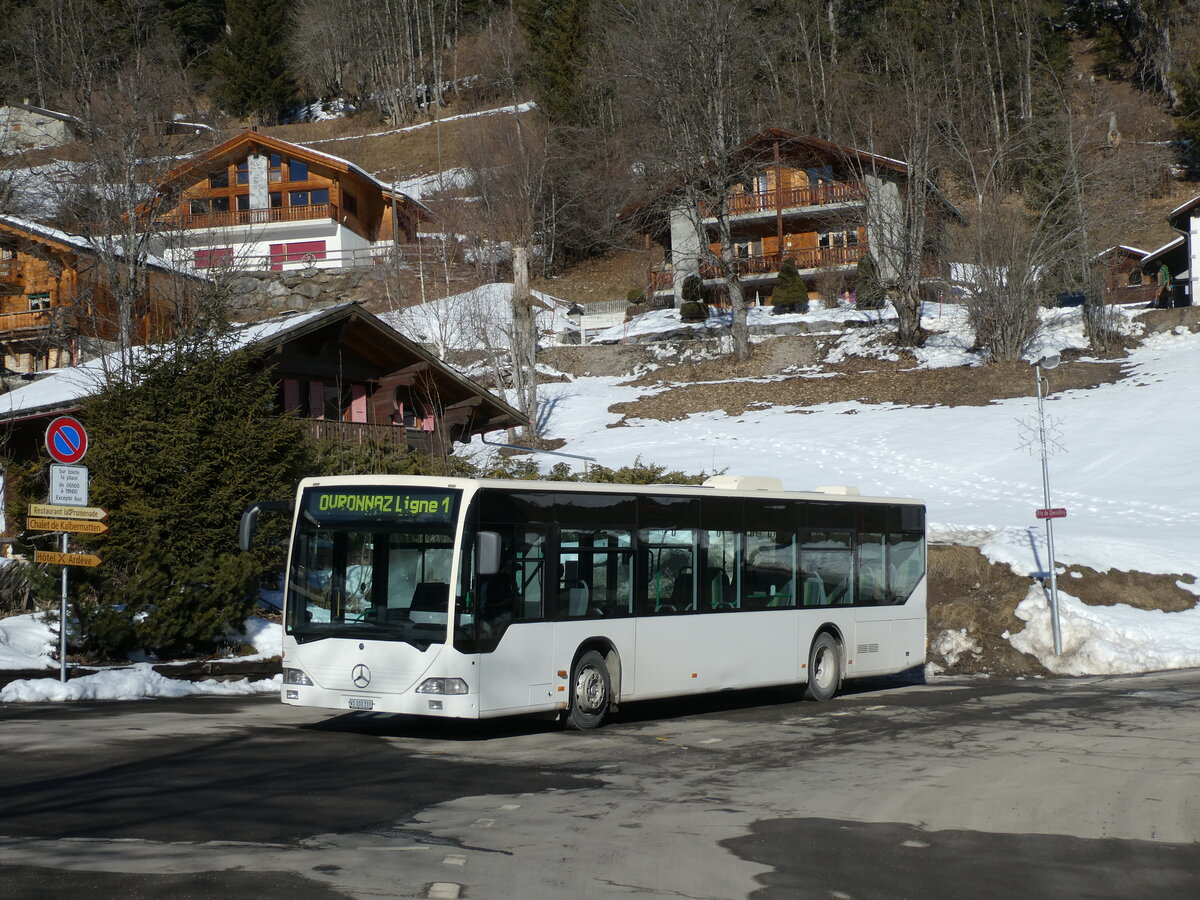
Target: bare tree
(685,90)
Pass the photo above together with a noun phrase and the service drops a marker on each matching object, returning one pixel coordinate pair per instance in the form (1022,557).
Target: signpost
(66,559)
(78,526)
(67,511)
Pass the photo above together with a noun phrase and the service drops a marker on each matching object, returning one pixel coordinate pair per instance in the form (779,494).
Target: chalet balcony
(30,320)
(395,436)
(244,217)
(824,194)
(767,265)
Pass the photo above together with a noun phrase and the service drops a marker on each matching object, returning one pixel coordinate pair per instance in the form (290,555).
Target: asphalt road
(1057,788)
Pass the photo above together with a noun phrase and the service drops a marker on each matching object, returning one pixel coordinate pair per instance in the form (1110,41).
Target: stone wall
(258,295)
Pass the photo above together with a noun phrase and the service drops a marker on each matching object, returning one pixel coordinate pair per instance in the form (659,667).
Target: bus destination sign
(378,504)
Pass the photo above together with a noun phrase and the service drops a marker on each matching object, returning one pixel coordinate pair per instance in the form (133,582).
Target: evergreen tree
(790,293)
(253,60)
(177,452)
(869,292)
(197,26)
(558,34)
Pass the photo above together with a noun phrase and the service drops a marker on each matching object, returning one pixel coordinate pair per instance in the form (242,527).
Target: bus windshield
(372,562)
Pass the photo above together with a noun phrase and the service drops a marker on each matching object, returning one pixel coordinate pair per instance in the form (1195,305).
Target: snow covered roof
(66,240)
(49,113)
(1133,251)
(1155,255)
(60,390)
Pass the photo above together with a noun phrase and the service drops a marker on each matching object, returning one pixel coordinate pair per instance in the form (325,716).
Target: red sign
(66,441)
(1056,513)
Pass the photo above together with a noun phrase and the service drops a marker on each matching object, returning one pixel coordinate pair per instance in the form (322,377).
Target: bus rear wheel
(591,692)
(824,668)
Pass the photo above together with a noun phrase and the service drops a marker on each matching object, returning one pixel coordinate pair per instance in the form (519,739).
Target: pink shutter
(316,400)
(291,395)
(358,403)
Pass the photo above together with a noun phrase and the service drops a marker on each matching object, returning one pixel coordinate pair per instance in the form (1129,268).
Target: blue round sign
(66,441)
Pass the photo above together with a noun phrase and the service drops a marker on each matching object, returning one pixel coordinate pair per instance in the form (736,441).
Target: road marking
(483,823)
(920,845)
(454,861)
(712,740)
(511,806)
(444,890)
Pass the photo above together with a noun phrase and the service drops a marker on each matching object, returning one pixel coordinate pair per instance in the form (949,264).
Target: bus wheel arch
(826,664)
(594,685)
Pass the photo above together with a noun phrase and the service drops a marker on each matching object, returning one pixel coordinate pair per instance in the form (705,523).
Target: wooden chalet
(345,372)
(799,197)
(260,203)
(1121,277)
(1180,256)
(56,304)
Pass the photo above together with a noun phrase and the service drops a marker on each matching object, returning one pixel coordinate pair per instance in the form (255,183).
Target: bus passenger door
(516,672)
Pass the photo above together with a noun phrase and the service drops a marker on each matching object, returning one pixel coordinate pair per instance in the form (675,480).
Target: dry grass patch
(869,381)
(1135,589)
(967,591)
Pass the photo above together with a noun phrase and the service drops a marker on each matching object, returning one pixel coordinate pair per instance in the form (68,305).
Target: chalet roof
(1123,248)
(1178,213)
(1158,257)
(49,113)
(64,241)
(63,390)
(248,139)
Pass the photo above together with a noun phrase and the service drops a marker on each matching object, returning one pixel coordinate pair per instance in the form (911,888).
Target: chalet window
(297,170)
(220,204)
(350,203)
(219,179)
(846,237)
(243,172)
(276,198)
(39,302)
(275,168)
(243,201)
(198,207)
(1135,278)
(308,198)
(820,175)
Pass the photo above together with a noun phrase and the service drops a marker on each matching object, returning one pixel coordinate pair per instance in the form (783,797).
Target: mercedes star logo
(360,675)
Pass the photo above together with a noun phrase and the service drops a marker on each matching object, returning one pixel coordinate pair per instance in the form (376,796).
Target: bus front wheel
(824,668)
(591,692)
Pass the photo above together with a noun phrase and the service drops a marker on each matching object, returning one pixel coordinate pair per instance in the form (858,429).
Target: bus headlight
(296,676)
(442,686)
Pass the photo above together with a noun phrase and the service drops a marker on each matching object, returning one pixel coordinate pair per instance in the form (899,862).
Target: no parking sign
(66,440)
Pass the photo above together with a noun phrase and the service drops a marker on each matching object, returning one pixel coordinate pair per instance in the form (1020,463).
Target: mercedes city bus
(471,598)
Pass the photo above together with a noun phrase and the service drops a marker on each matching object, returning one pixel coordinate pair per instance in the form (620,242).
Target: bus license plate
(362,704)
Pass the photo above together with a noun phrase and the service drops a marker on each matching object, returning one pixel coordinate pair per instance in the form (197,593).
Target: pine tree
(790,293)
(177,452)
(557,31)
(253,60)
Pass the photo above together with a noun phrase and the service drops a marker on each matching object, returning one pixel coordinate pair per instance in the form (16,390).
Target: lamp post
(1048,362)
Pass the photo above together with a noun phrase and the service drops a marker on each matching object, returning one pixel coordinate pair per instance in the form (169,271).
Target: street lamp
(1048,362)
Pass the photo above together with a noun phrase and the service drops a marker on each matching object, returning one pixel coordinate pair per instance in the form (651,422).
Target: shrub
(791,293)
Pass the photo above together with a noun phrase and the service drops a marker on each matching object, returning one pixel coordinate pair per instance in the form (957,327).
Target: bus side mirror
(487,553)
(249,522)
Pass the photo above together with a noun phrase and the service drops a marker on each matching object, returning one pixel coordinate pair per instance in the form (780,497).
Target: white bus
(470,598)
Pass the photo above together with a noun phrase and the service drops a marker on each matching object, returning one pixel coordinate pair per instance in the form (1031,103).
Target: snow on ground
(137,682)
(477,319)
(26,642)
(1125,472)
